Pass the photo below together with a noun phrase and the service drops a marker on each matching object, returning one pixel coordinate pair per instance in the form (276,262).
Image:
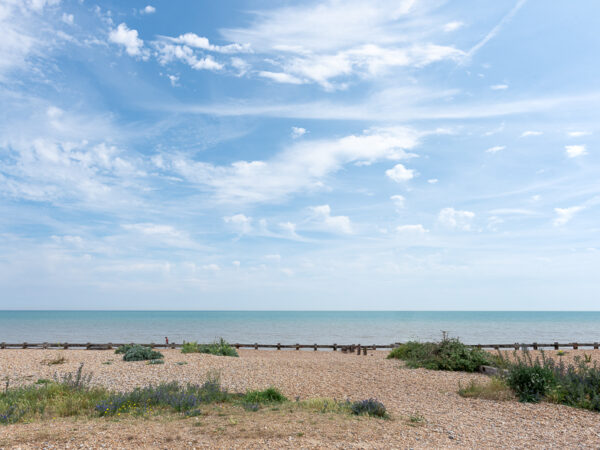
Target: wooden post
(279,346)
(87,346)
(3,345)
(535,346)
(255,346)
(516,346)
(173,345)
(24,344)
(365,351)
(315,347)
(335,347)
(45,345)
(66,346)
(297,346)
(358,350)
(496,347)
(237,346)
(556,346)
(575,346)
(595,346)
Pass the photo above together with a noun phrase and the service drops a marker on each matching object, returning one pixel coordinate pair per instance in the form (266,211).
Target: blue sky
(299,155)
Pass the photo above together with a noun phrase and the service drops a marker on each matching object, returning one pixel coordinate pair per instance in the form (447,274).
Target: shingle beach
(448,419)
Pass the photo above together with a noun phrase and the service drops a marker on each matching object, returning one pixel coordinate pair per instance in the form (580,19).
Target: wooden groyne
(344,348)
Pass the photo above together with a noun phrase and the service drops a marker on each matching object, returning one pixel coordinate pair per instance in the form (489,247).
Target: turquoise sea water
(305,327)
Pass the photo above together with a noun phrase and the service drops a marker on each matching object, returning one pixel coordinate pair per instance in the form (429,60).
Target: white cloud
(289,229)
(300,167)
(564,215)
(411,229)
(240,222)
(399,173)
(280,77)
(174,79)
(432,180)
(398,201)
(456,219)
(362,38)
(452,26)
(236,263)
(499,87)
(68,18)
(573,151)
(195,41)
(161,234)
(241,65)
(531,133)
(129,39)
(149,9)
(168,53)
(297,132)
(578,133)
(338,224)
(495,149)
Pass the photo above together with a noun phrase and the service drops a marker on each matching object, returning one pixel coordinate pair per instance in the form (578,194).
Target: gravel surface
(449,420)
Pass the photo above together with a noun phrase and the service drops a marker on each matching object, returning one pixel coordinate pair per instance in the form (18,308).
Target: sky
(381,155)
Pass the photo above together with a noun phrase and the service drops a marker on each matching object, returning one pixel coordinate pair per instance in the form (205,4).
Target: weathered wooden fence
(345,348)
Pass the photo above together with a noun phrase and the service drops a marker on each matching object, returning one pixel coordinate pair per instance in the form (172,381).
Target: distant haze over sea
(305,327)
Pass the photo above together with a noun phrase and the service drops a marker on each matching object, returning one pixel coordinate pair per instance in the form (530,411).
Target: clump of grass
(140,353)
(326,405)
(416,419)
(495,389)
(60,359)
(181,363)
(153,362)
(447,354)
(369,407)
(218,348)
(269,395)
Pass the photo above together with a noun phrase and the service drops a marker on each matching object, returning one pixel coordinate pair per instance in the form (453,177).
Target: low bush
(369,407)
(530,383)
(218,348)
(122,349)
(140,353)
(270,395)
(326,405)
(495,389)
(448,354)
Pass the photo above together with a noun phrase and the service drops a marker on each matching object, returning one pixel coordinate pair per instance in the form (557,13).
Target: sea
(303,327)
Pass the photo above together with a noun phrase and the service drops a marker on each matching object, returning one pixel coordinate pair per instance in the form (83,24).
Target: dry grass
(494,389)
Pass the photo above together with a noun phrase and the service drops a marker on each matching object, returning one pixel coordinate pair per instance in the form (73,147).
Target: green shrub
(369,407)
(218,348)
(530,383)
(270,395)
(122,349)
(140,353)
(448,354)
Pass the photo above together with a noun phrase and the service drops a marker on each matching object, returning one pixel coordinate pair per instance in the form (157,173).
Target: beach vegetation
(59,359)
(219,347)
(141,353)
(494,389)
(370,407)
(269,395)
(122,349)
(447,354)
(326,405)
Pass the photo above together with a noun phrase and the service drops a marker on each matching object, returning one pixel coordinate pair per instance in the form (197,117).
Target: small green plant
(140,353)
(448,354)
(59,359)
(269,395)
(495,389)
(530,380)
(181,363)
(153,362)
(587,358)
(561,353)
(416,418)
(369,407)
(326,405)
(218,348)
